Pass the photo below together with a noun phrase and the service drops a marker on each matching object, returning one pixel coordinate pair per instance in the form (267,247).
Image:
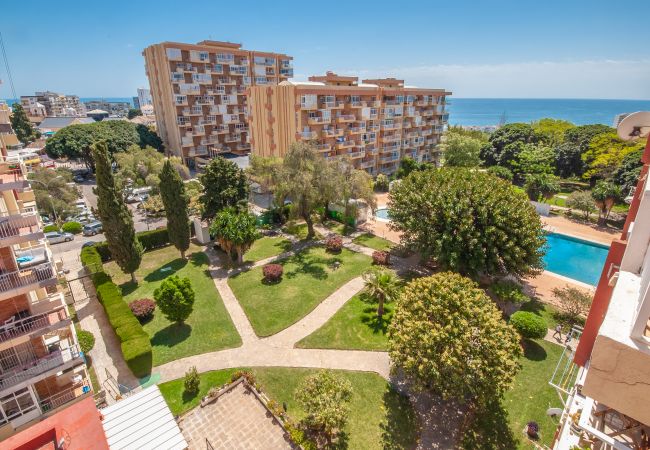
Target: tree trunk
(240,255)
(133,278)
(182,254)
(380,308)
(325,210)
(310,226)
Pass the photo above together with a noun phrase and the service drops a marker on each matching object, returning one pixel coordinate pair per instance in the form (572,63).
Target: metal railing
(65,396)
(26,223)
(33,323)
(36,367)
(25,277)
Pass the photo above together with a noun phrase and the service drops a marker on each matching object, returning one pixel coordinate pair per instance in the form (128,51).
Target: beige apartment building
(199,95)
(52,104)
(41,366)
(375,123)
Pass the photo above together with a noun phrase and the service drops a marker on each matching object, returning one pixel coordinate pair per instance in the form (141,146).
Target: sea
(493,111)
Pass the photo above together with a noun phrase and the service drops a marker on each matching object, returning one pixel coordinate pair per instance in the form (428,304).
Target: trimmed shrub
(381,258)
(334,244)
(192,381)
(86,340)
(529,325)
(72,227)
(509,291)
(134,341)
(272,272)
(248,376)
(50,228)
(143,309)
(153,239)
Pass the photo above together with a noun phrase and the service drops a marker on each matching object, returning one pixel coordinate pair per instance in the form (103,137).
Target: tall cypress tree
(172,191)
(21,125)
(114,214)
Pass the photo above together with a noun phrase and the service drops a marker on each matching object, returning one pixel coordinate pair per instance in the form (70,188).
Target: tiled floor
(236,420)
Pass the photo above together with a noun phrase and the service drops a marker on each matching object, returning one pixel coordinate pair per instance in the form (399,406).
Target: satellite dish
(636,125)
(552,412)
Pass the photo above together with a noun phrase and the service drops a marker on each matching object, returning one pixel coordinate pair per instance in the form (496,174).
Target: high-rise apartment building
(41,366)
(199,94)
(375,123)
(605,380)
(144,97)
(51,104)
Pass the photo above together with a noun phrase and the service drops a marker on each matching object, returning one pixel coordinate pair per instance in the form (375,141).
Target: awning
(142,421)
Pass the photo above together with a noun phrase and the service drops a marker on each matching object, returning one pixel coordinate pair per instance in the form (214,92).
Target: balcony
(356,155)
(324,147)
(24,280)
(391,126)
(232,138)
(225,58)
(391,138)
(333,132)
(367,164)
(226,81)
(345,144)
(54,360)
(243,147)
(286,72)
(422,102)
(12,176)
(346,118)
(309,135)
(316,120)
(393,102)
(15,228)
(356,130)
(75,390)
(388,159)
(238,70)
(220,129)
(35,324)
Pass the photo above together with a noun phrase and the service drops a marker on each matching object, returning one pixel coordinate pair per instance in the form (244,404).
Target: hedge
(149,239)
(134,341)
(50,228)
(72,227)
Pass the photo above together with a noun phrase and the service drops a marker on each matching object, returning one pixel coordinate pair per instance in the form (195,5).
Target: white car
(56,237)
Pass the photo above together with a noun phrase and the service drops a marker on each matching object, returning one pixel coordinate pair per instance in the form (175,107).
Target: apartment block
(52,104)
(375,123)
(605,380)
(41,366)
(199,95)
(144,97)
(120,109)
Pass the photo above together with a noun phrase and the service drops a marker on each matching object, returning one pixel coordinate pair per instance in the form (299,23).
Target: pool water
(575,258)
(382,213)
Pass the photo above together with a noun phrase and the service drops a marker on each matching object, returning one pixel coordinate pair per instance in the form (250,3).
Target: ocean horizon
(492,111)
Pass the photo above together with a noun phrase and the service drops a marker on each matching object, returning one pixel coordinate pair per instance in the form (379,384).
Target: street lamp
(47,188)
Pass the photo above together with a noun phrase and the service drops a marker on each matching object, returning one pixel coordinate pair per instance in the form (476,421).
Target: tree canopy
(52,190)
(133,112)
(175,298)
(139,167)
(174,198)
(504,144)
(224,186)
(551,131)
(461,150)
(606,153)
(235,232)
(627,173)
(534,159)
(25,131)
(468,221)
(448,336)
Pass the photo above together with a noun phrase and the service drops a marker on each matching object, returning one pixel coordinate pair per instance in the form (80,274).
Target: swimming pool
(382,213)
(575,258)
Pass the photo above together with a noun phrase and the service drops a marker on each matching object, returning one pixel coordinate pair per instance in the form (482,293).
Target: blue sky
(525,49)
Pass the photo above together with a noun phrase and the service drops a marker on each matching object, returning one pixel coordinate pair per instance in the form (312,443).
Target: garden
(208,328)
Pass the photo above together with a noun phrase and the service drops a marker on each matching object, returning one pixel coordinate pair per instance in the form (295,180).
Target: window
(17,404)
(173,53)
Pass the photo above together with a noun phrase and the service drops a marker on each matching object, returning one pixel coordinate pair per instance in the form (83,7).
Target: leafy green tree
(461,151)
(541,186)
(574,302)
(605,154)
(271,176)
(133,112)
(139,167)
(382,286)
(55,196)
(224,186)
(605,194)
(581,201)
(582,135)
(476,134)
(175,298)
(235,232)
(382,183)
(529,324)
(330,182)
(568,160)
(505,144)
(325,398)
(172,191)
(25,131)
(149,137)
(551,131)
(534,159)
(502,172)
(448,337)
(116,219)
(301,167)
(406,166)
(353,184)
(627,173)
(194,189)
(468,221)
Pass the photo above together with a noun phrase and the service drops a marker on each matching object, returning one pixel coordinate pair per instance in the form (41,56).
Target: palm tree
(382,286)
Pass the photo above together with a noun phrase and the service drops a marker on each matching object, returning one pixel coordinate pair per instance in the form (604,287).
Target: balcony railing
(317,120)
(308,135)
(12,175)
(33,323)
(346,118)
(345,144)
(36,367)
(19,225)
(65,396)
(25,277)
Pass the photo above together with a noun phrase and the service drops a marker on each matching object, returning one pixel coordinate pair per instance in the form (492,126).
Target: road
(69,251)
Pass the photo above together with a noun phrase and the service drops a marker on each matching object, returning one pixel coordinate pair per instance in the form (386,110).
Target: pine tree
(21,125)
(114,214)
(172,191)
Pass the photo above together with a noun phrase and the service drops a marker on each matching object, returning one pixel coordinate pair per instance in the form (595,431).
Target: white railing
(65,396)
(19,225)
(32,323)
(36,367)
(25,277)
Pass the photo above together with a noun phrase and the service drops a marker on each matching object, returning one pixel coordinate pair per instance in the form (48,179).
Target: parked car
(88,244)
(92,229)
(56,237)
(84,218)
(134,199)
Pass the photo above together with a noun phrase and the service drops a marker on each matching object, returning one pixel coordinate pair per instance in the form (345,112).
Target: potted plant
(532,430)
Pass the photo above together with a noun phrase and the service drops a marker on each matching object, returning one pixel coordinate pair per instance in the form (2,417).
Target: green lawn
(379,417)
(266,247)
(337,227)
(546,311)
(299,230)
(208,328)
(372,241)
(309,277)
(354,327)
(531,394)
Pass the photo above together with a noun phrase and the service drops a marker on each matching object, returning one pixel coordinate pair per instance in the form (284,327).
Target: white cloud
(622,79)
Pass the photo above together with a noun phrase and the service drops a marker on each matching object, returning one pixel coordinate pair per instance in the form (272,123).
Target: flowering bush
(381,258)
(334,244)
(143,308)
(272,272)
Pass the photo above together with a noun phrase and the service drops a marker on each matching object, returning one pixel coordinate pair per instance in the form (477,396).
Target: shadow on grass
(489,428)
(372,321)
(311,265)
(399,429)
(166,270)
(533,351)
(173,334)
(189,396)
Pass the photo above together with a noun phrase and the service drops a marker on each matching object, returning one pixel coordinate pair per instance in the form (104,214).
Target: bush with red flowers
(272,272)
(381,258)
(143,308)
(334,244)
